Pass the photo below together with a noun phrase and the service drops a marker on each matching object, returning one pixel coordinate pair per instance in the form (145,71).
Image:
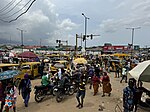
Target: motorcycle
(60,91)
(75,82)
(42,91)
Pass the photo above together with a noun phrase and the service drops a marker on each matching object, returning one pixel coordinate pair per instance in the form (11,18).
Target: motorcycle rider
(46,80)
(65,80)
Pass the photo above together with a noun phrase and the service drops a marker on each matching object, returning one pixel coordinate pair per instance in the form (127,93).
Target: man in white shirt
(124,75)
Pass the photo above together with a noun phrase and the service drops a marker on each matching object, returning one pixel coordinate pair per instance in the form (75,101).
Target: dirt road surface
(91,103)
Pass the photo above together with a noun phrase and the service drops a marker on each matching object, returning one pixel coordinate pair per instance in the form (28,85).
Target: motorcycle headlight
(71,87)
(55,89)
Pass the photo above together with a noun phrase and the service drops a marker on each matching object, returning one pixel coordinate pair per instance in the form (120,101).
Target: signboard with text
(115,48)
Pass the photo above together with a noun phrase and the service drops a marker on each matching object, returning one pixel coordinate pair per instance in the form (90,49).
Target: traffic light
(59,41)
(84,37)
(91,36)
(129,46)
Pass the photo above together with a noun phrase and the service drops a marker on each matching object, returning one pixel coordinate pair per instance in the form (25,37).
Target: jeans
(26,97)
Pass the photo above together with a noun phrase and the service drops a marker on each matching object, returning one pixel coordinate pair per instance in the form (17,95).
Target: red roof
(27,54)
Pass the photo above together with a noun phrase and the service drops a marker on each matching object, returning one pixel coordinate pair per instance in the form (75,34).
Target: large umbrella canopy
(59,65)
(46,60)
(80,61)
(27,54)
(141,71)
(8,74)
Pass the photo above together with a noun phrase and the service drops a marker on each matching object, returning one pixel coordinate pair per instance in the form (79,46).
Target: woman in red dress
(106,84)
(95,82)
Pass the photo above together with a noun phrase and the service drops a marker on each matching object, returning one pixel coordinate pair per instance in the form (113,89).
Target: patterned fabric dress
(128,99)
(9,98)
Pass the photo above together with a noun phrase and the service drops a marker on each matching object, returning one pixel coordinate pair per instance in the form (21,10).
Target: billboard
(115,48)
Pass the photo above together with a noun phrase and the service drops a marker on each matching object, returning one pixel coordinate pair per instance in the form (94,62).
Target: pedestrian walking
(129,95)
(95,82)
(90,75)
(81,94)
(106,84)
(25,88)
(124,74)
(117,72)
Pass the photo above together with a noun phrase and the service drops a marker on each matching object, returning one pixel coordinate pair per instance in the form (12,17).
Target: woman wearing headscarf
(106,84)
(25,87)
(95,82)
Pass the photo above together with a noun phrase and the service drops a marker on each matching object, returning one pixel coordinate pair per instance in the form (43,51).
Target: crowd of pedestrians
(96,73)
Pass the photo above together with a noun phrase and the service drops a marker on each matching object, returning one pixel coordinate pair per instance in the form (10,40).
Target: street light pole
(86,18)
(132,35)
(40,42)
(21,37)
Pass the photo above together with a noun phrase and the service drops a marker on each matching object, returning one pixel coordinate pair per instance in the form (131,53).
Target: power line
(8,21)
(18,10)
(23,12)
(12,8)
(7,6)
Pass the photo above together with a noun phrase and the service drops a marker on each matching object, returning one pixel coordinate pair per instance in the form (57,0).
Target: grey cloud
(67,25)
(61,19)
(121,5)
(37,22)
(41,21)
(135,18)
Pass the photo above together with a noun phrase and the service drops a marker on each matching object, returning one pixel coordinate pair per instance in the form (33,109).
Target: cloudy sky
(50,20)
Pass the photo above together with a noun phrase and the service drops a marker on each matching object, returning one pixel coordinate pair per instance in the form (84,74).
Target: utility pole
(132,38)
(76,47)
(86,18)
(21,37)
(40,42)
(10,39)
(81,40)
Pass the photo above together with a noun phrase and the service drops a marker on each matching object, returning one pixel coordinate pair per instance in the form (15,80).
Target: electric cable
(7,6)
(12,8)
(23,12)
(17,11)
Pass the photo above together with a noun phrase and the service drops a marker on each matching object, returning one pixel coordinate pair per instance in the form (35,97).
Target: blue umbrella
(8,74)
